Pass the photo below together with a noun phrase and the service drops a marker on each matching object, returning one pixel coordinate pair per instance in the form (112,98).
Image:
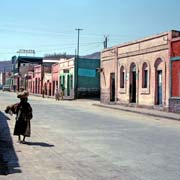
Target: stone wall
(105,96)
(174,104)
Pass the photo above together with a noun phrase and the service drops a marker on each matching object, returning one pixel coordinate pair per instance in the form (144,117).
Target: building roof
(174,33)
(16,61)
(29,59)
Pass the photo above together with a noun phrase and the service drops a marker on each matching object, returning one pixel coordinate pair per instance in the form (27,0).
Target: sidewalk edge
(138,112)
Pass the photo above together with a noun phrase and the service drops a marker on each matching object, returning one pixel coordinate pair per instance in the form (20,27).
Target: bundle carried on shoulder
(22,95)
(11,109)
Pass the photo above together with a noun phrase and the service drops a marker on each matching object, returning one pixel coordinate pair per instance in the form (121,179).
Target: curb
(138,112)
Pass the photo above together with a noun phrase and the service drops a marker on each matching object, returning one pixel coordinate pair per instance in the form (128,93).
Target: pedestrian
(24,114)
(14,88)
(57,94)
(43,91)
(62,91)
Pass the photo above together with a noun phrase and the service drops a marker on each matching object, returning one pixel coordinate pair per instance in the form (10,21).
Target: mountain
(5,66)
(57,56)
(95,55)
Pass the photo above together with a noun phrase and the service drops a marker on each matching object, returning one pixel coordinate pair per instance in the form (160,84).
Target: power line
(41,32)
(55,47)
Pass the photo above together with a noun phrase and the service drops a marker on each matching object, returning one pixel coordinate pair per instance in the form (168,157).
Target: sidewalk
(150,112)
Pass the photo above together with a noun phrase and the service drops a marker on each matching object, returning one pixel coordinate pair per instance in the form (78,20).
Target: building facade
(67,77)
(21,65)
(38,79)
(138,73)
(47,83)
(79,78)
(174,101)
(55,77)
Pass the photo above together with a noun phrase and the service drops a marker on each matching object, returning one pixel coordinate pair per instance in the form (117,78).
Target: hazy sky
(48,26)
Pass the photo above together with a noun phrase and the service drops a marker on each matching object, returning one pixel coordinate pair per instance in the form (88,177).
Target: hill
(5,66)
(95,55)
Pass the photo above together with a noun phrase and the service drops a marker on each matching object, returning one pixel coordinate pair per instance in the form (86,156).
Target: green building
(79,78)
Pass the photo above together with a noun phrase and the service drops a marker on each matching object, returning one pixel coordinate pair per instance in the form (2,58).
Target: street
(74,140)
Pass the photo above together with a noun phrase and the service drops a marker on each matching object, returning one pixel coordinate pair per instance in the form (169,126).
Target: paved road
(73,140)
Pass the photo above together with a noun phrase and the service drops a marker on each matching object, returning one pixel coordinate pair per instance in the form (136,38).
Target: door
(133,87)
(112,87)
(68,85)
(50,89)
(159,87)
(36,84)
(53,88)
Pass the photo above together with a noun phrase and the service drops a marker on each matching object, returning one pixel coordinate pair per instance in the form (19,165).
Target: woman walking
(23,113)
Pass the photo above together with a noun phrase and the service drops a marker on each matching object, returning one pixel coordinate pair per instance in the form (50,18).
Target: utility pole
(76,64)
(105,41)
(78,29)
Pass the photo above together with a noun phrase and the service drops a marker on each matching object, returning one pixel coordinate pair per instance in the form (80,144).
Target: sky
(48,26)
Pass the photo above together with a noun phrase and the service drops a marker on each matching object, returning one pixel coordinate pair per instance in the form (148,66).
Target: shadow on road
(39,144)
(8,159)
(3,116)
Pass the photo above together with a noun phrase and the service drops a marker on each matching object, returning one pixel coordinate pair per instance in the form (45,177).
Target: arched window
(122,76)
(145,75)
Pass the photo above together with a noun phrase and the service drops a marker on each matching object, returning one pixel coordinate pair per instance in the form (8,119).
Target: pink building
(30,82)
(47,83)
(38,79)
(55,77)
(137,73)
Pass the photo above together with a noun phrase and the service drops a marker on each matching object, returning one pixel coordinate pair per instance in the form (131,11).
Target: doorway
(159,87)
(53,88)
(68,85)
(133,84)
(112,87)
(35,85)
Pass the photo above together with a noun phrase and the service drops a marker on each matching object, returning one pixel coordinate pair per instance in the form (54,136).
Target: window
(122,76)
(145,76)
(65,70)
